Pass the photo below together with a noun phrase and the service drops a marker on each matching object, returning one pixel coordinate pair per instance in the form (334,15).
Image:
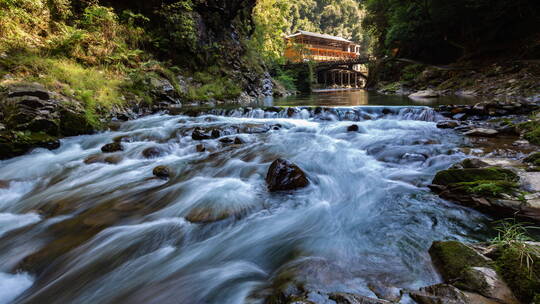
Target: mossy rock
(531,131)
(18,143)
(522,279)
(73,123)
(486,187)
(533,159)
(452,176)
(452,259)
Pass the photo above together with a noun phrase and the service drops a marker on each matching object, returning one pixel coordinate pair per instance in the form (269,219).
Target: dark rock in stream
(315,281)
(199,134)
(152,152)
(17,143)
(4,184)
(200,148)
(162,172)
(448,124)
(112,147)
(353,128)
(107,159)
(238,141)
(284,175)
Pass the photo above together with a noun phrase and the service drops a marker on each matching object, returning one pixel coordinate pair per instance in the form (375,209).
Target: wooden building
(303,46)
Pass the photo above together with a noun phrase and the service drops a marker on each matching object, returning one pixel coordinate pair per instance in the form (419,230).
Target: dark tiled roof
(323,36)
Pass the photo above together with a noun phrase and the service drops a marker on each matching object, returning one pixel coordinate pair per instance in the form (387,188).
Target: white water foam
(9,221)
(12,285)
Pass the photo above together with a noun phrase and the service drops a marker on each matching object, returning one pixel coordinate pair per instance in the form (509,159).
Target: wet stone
(226,140)
(112,147)
(114,159)
(200,148)
(238,141)
(482,132)
(447,124)
(93,159)
(353,128)
(152,152)
(284,175)
(4,184)
(199,134)
(123,138)
(162,172)
(215,133)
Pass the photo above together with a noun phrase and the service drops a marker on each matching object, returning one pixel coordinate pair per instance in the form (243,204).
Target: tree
(272,21)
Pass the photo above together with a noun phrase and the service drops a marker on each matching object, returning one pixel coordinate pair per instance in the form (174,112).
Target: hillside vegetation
(106,53)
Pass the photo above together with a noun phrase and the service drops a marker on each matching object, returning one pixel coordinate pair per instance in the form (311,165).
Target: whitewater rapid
(367,208)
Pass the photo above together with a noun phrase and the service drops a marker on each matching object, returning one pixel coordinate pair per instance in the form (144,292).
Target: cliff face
(198,34)
(223,27)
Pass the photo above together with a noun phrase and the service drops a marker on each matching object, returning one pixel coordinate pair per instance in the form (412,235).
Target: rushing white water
(212,233)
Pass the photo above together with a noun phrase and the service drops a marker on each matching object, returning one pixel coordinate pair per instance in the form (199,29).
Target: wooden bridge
(341,72)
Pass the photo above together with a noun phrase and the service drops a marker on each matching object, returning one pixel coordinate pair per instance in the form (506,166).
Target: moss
(212,87)
(469,281)
(392,87)
(410,72)
(524,281)
(17,143)
(452,176)
(533,159)
(531,131)
(453,258)
(487,187)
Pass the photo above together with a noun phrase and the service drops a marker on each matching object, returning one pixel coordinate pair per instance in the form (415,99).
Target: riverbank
(507,79)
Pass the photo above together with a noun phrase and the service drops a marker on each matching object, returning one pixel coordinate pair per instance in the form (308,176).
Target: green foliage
(412,71)
(276,18)
(340,18)
(287,79)
(488,187)
(453,258)
(452,176)
(531,131)
(518,261)
(177,32)
(533,159)
(272,20)
(441,30)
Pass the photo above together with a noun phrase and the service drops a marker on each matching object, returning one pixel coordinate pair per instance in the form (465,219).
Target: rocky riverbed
(268,204)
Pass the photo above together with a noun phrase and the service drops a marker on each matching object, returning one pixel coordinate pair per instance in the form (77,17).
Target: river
(110,232)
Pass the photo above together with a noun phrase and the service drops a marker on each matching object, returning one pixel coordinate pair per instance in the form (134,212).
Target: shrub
(518,262)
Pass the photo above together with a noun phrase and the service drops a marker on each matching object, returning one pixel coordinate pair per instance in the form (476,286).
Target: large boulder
(284,175)
(486,282)
(448,124)
(453,176)
(482,132)
(315,280)
(480,273)
(31,116)
(448,294)
(453,258)
(499,187)
(112,147)
(425,94)
(17,143)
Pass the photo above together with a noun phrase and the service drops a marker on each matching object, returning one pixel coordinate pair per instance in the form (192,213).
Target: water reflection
(361,98)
